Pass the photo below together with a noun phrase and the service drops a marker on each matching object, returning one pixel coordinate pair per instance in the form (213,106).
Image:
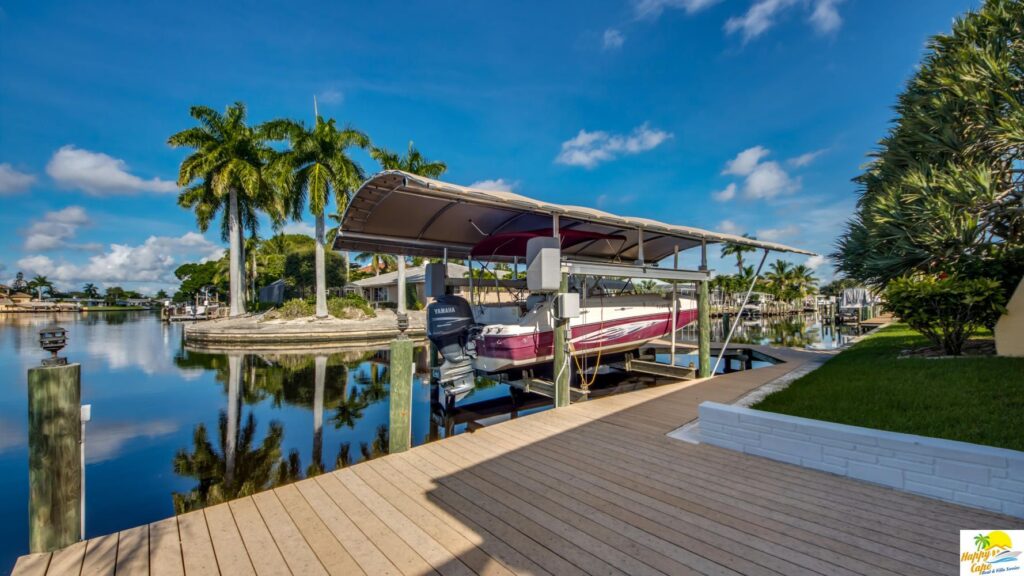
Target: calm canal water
(158,441)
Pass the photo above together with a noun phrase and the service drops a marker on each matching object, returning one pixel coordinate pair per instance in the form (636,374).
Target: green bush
(946,310)
(412,299)
(294,308)
(350,307)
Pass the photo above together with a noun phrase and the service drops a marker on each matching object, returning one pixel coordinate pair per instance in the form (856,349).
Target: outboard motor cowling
(449,323)
(450,327)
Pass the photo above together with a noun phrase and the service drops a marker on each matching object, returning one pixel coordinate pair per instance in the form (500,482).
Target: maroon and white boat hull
(612,325)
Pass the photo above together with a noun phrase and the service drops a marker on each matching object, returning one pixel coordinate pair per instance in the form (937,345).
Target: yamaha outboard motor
(450,327)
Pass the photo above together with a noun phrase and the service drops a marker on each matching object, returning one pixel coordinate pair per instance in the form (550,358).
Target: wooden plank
(331,553)
(263,552)
(133,552)
(165,549)
(475,523)
(232,557)
(100,556)
(197,552)
(68,560)
(474,557)
(558,538)
(32,564)
(398,552)
(369,557)
(440,558)
(613,541)
(296,552)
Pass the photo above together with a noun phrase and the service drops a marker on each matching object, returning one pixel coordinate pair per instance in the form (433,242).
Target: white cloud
(825,18)
(105,440)
(299,227)
(772,234)
(815,262)
(729,227)
(769,180)
(12,181)
(588,149)
(745,162)
(331,96)
(763,14)
(54,230)
(612,39)
(496,185)
(762,179)
(652,9)
(805,159)
(726,194)
(99,174)
(152,261)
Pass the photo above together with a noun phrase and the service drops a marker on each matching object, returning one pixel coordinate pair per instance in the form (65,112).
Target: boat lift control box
(567,306)
(434,280)
(544,266)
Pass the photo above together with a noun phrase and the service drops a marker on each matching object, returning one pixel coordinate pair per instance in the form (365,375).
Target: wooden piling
(54,457)
(703,330)
(400,428)
(561,366)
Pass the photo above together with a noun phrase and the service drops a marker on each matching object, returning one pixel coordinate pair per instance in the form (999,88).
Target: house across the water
(382,290)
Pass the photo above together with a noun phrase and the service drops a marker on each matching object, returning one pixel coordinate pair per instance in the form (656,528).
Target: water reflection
(793,331)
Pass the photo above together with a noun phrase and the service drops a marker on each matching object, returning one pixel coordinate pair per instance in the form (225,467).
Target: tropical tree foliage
(228,173)
(738,250)
(316,168)
(943,192)
(413,162)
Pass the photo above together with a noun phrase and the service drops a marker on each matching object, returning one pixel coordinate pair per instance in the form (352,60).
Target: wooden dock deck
(595,488)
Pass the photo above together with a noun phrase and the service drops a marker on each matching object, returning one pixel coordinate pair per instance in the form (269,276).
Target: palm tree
(318,165)
(413,162)
(738,250)
(228,173)
(981,541)
(39,284)
(90,290)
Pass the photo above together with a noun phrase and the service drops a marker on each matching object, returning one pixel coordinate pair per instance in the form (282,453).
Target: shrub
(946,310)
(294,308)
(350,307)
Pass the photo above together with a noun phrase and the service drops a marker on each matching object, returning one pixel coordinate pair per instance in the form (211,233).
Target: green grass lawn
(979,400)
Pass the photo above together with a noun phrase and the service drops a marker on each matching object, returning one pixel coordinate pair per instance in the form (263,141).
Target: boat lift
(409,215)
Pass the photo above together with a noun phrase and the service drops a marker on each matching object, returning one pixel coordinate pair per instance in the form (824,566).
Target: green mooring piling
(400,429)
(703,330)
(54,457)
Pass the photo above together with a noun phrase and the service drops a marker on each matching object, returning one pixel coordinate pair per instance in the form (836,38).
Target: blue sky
(734,115)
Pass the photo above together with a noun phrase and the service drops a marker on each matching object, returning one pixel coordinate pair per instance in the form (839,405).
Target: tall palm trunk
(321,272)
(234,254)
(241,267)
(319,377)
(231,439)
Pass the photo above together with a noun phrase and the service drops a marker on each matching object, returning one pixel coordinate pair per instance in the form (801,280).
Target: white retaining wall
(969,474)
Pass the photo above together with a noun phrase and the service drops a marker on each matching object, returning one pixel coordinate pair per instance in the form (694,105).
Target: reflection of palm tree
(379,447)
(318,412)
(981,541)
(344,456)
(255,468)
(349,410)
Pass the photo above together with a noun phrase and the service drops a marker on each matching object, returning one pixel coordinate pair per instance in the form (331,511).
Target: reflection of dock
(595,487)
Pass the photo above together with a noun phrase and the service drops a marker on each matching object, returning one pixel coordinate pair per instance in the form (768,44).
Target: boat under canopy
(401,213)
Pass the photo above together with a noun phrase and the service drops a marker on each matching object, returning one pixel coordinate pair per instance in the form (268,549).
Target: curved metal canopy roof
(397,212)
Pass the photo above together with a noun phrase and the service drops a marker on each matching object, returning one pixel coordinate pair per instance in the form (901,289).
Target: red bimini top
(514,243)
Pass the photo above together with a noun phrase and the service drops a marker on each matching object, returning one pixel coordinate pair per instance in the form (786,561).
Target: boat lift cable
(580,368)
(728,338)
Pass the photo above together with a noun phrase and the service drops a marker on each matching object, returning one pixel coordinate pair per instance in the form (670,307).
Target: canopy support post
(562,357)
(400,308)
(640,247)
(703,317)
(675,307)
(746,297)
